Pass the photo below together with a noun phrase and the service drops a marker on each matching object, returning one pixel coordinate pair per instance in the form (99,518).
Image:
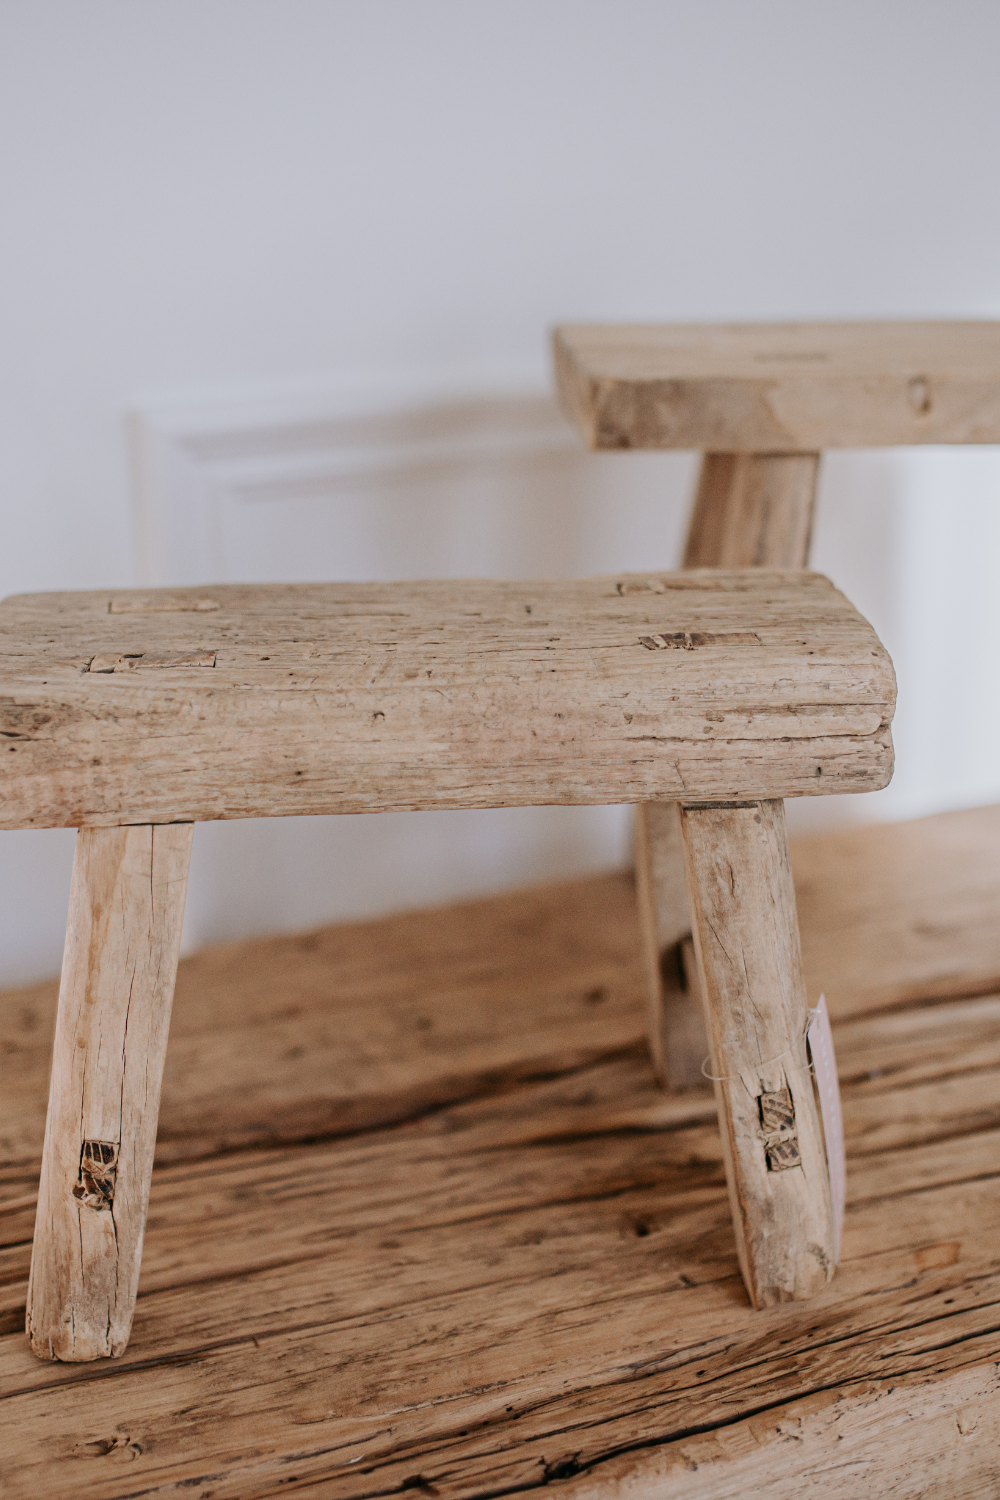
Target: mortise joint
(777,1121)
(95,1185)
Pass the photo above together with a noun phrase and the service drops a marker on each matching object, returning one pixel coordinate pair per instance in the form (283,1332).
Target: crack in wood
(130,661)
(688,640)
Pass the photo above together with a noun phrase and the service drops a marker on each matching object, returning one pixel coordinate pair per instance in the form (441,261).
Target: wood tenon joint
(777,1122)
(95,1185)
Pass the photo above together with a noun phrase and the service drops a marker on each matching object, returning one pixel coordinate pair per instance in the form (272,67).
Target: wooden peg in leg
(750,510)
(119,966)
(747,943)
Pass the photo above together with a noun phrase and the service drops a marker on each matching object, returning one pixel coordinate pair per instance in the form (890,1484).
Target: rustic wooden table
(421,1220)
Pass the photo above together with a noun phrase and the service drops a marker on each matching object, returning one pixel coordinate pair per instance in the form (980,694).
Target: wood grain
(750,510)
(780,387)
(534,1285)
(746,939)
(753,511)
(364,697)
(122,945)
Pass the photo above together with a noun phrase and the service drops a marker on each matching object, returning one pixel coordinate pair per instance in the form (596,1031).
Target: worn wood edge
(845,765)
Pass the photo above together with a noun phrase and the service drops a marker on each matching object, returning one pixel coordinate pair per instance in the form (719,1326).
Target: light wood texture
(122,945)
(780,387)
(747,943)
(536,1284)
(753,511)
(750,510)
(364,697)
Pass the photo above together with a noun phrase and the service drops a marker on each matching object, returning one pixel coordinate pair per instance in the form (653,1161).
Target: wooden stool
(761,401)
(133,715)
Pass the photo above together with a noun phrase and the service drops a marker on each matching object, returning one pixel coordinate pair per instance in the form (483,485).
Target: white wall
(230,194)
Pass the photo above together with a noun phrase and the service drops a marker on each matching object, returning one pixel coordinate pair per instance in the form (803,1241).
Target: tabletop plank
(250,701)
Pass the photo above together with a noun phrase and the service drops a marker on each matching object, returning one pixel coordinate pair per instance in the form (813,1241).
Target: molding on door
(377,434)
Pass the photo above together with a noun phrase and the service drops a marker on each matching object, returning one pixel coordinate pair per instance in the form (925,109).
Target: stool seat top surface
(780,387)
(255,700)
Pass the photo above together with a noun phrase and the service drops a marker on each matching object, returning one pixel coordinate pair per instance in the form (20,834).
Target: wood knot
(920,395)
(95,1185)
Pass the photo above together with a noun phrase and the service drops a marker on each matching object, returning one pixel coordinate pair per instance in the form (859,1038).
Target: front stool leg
(123,938)
(746,938)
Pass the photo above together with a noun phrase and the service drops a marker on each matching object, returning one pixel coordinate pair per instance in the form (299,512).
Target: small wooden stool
(761,401)
(133,715)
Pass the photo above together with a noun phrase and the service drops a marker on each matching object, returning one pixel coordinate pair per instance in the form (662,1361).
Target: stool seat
(256,700)
(781,387)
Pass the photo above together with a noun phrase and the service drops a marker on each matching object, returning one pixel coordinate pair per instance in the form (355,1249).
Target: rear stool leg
(746,938)
(122,944)
(751,510)
(676,1026)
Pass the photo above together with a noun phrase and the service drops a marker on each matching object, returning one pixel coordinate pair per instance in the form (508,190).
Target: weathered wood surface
(750,510)
(126,908)
(535,1283)
(746,939)
(363,697)
(780,387)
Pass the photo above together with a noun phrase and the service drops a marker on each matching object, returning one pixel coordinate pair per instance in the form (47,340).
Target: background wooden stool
(133,715)
(761,401)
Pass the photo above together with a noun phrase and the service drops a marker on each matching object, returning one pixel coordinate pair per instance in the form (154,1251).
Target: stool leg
(676,1026)
(747,943)
(750,510)
(753,510)
(122,943)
